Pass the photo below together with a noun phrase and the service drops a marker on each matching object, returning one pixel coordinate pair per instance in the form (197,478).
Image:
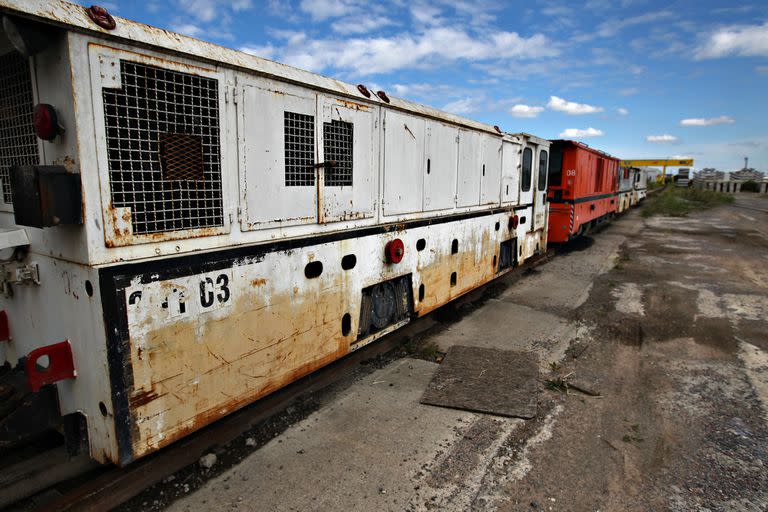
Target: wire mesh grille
(299,130)
(337,147)
(159,107)
(182,157)
(18,144)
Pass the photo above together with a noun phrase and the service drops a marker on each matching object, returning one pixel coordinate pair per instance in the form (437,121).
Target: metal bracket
(18,273)
(61,365)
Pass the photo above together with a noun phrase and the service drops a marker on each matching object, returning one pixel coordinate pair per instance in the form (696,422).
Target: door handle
(327,165)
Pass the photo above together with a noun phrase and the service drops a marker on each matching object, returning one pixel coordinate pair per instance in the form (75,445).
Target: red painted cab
(583,187)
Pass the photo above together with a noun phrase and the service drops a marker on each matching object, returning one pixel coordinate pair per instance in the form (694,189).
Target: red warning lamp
(514,221)
(394,251)
(46,122)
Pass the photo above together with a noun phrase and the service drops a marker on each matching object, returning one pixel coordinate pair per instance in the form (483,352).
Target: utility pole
(746,162)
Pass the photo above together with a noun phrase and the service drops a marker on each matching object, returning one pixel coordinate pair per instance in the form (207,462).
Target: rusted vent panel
(299,130)
(18,144)
(163,149)
(337,147)
(181,157)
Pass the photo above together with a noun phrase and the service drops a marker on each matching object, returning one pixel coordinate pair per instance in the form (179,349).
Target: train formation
(188,228)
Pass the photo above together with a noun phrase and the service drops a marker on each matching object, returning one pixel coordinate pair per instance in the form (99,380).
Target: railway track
(104,488)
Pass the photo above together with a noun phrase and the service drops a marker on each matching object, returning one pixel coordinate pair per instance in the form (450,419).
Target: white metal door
(277,155)
(527,157)
(540,186)
(440,176)
(510,173)
(346,159)
(404,139)
(491,172)
(470,168)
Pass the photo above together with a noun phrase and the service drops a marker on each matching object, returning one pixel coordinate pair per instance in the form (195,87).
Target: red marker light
(514,221)
(394,251)
(46,122)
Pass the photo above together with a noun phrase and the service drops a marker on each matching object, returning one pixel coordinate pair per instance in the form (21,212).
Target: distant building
(747,175)
(708,173)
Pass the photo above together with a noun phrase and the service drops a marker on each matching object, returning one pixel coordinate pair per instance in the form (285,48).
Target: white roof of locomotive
(74,17)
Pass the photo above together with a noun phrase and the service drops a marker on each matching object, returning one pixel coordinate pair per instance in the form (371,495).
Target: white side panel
(403,163)
(440,177)
(510,173)
(266,199)
(355,201)
(491,176)
(470,168)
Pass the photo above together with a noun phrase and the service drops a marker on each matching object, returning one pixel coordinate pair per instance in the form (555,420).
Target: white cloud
(700,121)
(577,133)
(463,106)
(188,29)
(366,56)
(742,41)
(622,111)
(570,107)
(525,111)
(661,138)
(612,27)
(265,51)
(629,91)
(360,24)
(201,10)
(321,10)
(763,70)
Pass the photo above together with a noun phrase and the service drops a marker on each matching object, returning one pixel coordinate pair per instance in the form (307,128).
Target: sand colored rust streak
(193,372)
(473,265)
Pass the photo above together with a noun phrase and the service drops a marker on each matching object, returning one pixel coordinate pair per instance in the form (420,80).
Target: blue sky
(636,78)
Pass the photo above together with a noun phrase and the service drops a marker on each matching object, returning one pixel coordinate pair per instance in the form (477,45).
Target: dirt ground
(664,319)
(679,354)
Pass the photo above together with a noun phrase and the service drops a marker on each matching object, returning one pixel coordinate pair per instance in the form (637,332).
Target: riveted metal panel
(278,152)
(442,160)
(470,169)
(490,189)
(510,174)
(404,163)
(348,185)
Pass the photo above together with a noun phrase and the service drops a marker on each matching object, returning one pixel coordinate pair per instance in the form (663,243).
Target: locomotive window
(543,170)
(527,164)
(555,167)
(299,131)
(337,147)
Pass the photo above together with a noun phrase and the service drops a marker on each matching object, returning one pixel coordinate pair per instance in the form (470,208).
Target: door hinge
(234,95)
(239,214)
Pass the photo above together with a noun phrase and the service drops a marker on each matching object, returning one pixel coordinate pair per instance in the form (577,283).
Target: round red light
(101,17)
(514,221)
(46,121)
(394,251)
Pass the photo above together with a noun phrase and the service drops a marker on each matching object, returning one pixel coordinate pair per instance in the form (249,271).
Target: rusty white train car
(187,228)
(626,188)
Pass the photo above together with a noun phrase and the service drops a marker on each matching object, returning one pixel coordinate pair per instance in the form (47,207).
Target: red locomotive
(583,186)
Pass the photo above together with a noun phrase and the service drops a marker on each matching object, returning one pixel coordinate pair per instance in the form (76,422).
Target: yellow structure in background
(663,163)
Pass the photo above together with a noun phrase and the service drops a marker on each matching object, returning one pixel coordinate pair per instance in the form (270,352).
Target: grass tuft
(679,202)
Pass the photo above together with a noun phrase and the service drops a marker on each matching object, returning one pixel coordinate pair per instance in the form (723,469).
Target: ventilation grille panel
(18,143)
(337,147)
(299,132)
(163,147)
